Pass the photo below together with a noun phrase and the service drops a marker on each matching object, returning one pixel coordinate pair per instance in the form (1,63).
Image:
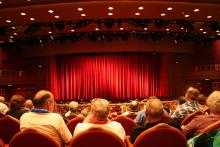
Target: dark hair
(181,100)
(17,102)
(40,101)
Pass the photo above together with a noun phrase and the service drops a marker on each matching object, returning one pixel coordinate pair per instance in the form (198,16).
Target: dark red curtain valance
(121,76)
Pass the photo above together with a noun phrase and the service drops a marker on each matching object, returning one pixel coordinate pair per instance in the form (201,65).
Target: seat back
(73,122)
(161,135)
(1,115)
(71,116)
(96,137)
(9,126)
(2,144)
(211,127)
(32,138)
(127,123)
(131,116)
(189,117)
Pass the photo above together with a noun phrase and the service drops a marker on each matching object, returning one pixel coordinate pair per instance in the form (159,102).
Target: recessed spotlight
(72,30)
(201,29)
(32,18)
(0,2)
(13,28)
(140,8)
(167,29)
(15,34)
(218,34)
(1,41)
(50,11)
(196,10)
(186,15)
(80,9)
(8,21)
(121,28)
(208,17)
(23,14)
(28,0)
(182,28)
(145,29)
(110,14)
(137,14)
(169,8)
(83,14)
(57,16)
(11,37)
(204,32)
(217,31)
(97,29)
(110,8)
(50,32)
(162,14)
(10,40)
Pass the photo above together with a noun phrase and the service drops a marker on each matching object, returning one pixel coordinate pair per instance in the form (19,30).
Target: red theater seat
(71,116)
(190,117)
(32,138)
(131,116)
(72,123)
(96,137)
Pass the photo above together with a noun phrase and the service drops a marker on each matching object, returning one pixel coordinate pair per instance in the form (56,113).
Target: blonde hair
(213,102)
(192,93)
(154,108)
(100,108)
(73,105)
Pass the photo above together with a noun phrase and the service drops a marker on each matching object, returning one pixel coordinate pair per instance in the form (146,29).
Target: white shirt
(51,124)
(3,108)
(113,126)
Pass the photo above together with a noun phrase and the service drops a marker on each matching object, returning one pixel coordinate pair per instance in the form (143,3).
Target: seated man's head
(154,109)
(17,102)
(73,106)
(134,106)
(213,102)
(28,104)
(100,109)
(202,99)
(192,93)
(44,100)
(2,99)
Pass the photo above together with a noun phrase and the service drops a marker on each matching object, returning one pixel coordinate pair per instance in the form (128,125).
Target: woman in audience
(16,106)
(201,121)
(99,117)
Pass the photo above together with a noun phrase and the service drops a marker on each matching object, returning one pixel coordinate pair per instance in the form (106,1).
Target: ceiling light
(167,29)
(0,2)
(121,28)
(80,9)
(83,15)
(28,0)
(97,29)
(15,34)
(208,17)
(1,41)
(169,8)
(23,14)
(110,14)
(10,40)
(204,32)
(187,15)
(217,31)
(11,37)
(140,8)
(110,8)
(163,14)
(50,32)
(145,29)
(201,29)
(182,28)
(13,28)
(57,16)
(137,14)
(72,30)
(8,21)
(50,11)
(32,18)
(218,34)
(196,10)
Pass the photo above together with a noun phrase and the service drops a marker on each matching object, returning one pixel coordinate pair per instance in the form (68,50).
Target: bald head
(213,102)
(2,99)
(43,99)
(154,108)
(28,104)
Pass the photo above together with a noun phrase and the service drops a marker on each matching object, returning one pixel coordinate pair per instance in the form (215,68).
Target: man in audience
(154,112)
(191,105)
(28,105)
(201,121)
(43,119)
(3,106)
(98,117)
(73,108)
(134,108)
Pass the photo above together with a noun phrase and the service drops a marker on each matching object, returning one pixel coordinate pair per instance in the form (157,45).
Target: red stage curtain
(114,77)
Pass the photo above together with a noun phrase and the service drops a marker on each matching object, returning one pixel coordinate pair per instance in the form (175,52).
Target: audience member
(28,105)
(191,105)
(154,112)
(98,117)
(134,108)
(16,106)
(201,121)
(3,106)
(43,119)
(73,108)
(181,100)
(202,101)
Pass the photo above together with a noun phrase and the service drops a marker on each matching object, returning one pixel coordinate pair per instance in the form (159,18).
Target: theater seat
(1,115)
(211,127)
(9,126)
(72,123)
(127,123)
(2,144)
(159,136)
(189,117)
(131,116)
(71,116)
(96,137)
(32,138)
